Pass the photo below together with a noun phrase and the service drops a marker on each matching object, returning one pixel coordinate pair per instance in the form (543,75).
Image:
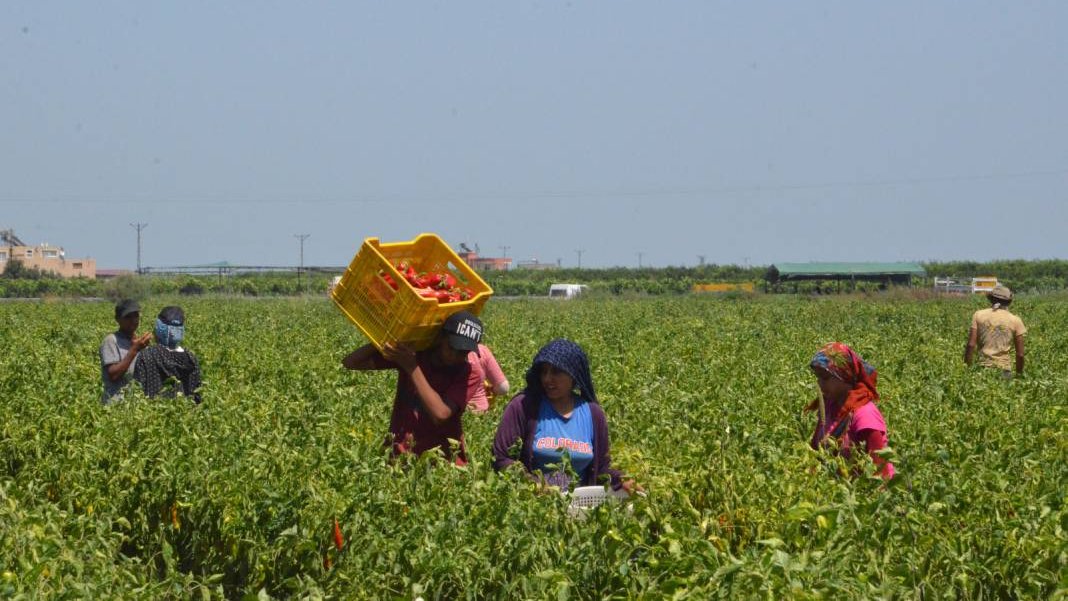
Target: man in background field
(118,351)
(997,332)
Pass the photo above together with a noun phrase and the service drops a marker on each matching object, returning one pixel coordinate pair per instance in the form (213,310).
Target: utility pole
(139,227)
(701,260)
(302,238)
(579,253)
(640,260)
(504,251)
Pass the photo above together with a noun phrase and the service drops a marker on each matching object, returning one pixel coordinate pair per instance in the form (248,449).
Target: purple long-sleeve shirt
(520,422)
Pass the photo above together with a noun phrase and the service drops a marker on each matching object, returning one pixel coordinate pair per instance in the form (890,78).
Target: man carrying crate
(432,386)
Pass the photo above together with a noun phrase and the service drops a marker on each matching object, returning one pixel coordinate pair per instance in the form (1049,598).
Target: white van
(566,291)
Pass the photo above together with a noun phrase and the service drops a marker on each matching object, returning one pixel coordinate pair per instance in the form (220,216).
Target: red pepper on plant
(339,540)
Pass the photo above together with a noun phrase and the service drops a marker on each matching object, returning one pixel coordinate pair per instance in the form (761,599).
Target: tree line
(17,280)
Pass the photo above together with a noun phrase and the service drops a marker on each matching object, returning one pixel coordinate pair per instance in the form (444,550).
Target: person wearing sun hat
(433,386)
(167,361)
(997,334)
(556,424)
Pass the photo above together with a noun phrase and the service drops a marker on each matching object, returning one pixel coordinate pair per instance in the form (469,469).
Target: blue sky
(752,132)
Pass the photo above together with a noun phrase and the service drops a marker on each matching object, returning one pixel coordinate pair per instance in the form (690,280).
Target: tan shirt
(997,330)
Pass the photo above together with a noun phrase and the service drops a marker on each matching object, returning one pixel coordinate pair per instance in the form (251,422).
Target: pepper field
(236,498)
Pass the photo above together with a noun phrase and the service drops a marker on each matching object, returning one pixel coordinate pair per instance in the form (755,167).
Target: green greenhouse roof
(847,269)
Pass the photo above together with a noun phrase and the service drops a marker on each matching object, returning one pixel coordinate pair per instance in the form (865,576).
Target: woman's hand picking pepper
(631,487)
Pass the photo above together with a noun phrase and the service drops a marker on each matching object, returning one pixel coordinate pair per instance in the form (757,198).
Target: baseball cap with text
(464,330)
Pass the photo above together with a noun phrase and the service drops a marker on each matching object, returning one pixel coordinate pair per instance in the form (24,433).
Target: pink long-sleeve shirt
(867,426)
(485,366)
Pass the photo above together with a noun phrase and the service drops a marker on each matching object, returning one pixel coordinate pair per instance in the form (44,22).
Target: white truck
(980,285)
(566,291)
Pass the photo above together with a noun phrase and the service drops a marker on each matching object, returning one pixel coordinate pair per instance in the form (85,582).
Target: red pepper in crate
(442,286)
(427,292)
(388,279)
(443,281)
(403,267)
(424,280)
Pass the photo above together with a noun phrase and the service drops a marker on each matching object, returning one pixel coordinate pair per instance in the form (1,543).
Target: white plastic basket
(584,498)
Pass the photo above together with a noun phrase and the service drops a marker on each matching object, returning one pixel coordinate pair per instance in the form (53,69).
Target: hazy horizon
(621,132)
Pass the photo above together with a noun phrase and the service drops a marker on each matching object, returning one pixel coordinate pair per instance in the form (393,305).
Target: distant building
(485,263)
(883,273)
(107,274)
(44,257)
(535,264)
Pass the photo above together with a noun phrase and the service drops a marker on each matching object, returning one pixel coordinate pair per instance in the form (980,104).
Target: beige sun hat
(1001,293)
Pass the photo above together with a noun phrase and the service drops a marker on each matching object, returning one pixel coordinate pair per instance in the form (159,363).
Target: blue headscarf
(170,327)
(565,356)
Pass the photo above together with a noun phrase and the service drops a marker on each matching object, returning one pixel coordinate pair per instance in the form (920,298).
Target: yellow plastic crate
(387,315)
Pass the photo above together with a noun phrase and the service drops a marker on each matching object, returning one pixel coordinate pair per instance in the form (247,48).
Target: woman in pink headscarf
(848,414)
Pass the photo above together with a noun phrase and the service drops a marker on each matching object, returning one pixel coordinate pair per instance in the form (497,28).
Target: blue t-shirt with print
(555,434)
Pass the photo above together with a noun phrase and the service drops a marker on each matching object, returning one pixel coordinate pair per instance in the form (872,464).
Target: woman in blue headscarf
(556,423)
(167,362)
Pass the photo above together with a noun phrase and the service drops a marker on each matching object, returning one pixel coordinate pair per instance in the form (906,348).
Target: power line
(416,199)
